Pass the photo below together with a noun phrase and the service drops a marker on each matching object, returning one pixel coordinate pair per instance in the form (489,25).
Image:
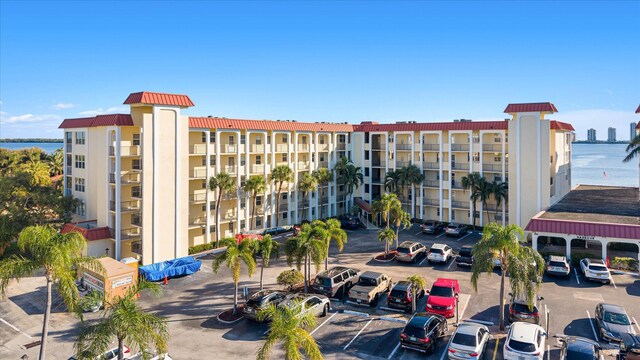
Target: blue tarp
(170,268)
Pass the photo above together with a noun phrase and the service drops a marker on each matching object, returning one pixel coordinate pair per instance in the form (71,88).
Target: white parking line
(444,352)
(452,261)
(546,311)
(321,325)
(14,328)
(418,233)
(464,236)
(577,278)
(440,235)
(464,308)
(425,258)
(638,326)
(595,334)
(488,323)
(358,334)
(548,351)
(613,282)
(356,313)
(394,351)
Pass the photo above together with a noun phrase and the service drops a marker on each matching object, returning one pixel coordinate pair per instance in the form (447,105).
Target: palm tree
(387,236)
(391,181)
(43,248)
(383,207)
(335,233)
(400,219)
(470,182)
(223,183)
(417,282)
(38,171)
(266,247)
(56,162)
(255,185)
(351,177)
(126,321)
(289,327)
(414,177)
(500,191)
(306,185)
(234,256)
(502,242)
(485,190)
(308,246)
(280,175)
(633,150)
(323,176)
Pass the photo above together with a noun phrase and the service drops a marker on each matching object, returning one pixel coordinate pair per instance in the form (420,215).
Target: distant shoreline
(43,141)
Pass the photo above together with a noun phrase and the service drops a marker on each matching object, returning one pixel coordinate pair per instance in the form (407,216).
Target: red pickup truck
(442,297)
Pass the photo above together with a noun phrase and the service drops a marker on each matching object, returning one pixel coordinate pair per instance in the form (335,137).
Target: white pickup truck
(369,288)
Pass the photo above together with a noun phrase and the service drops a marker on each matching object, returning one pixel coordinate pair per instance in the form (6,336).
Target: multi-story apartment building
(591,134)
(143,177)
(611,134)
(632,130)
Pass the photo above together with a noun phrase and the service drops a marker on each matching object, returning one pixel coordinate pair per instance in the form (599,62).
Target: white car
(318,305)
(112,354)
(525,341)
(595,270)
(468,342)
(439,253)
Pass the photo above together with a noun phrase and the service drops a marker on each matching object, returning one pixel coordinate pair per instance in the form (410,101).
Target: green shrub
(577,256)
(290,278)
(200,248)
(624,263)
(546,254)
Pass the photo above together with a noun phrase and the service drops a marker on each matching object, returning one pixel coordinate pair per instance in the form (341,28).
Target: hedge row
(625,263)
(200,248)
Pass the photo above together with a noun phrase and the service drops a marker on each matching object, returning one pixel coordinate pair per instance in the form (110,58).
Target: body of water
(601,164)
(47,147)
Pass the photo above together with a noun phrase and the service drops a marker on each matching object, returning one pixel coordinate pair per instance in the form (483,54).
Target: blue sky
(320,61)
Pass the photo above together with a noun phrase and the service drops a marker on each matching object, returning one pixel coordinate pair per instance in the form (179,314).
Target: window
(204,207)
(258,140)
(453,158)
(551,181)
(212,160)
(304,139)
(232,140)
(284,215)
(79,184)
(231,226)
(366,155)
(204,184)
(366,188)
(284,196)
(366,138)
(313,211)
(243,204)
(231,161)
(551,158)
(203,231)
(313,157)
(136,192)
(136,139)
(476,156)
(438,212)
(476,138)
(212,205)
(136,165)
(79,161)
(79,137)
(341,188)
(497,178)
(496,138)
(453,215)
(242,224)
(68,137)
(321,140)
(258,200)
(284,139)
(497,157)
(258,221)
(243,139)
(204,137)
(80,208)
(212,229)
(366,171)
(258,160)
(204,162)
(212,137)
(243,160)
(321,157)
(285,157)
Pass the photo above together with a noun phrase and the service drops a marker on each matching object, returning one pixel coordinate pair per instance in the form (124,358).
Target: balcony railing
(257,169)
(229,148)
(459,147)
(493,167)
(303,166)
(431,183)
(231,195)
(376,180)
(136,220)
(257,148)
(431,147)
(459,166)
(380,163)
(378,146)
(459,205)
(431,202)
(403,146)
(130,233)
(322,147)
(323,164)
(198,174)
(282,147)
(303,147)
(130,179)
(125,205)
(69,170)
(198,221)
(229,215)
(341,146)
(401,164)
(498,217)
(456,185)
(431,165)
(492,147)
(198,197)
(230,169)
(283,207)
(492,207)
(125,150)
(198,149)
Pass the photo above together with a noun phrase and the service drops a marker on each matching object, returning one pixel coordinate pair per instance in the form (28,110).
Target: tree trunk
(415,203)
(261,273)
(501,308)
(278,204)
(218,219)
(326,259)
(413,302)
(120,348)
(321,205)
(473,214)
(45,322)
(253,213)
(305,274)
(235,298)
(397,236)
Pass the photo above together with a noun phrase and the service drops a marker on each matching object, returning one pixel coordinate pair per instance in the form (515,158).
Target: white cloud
(599,119)
(62,106)
(28,118)
(100,111)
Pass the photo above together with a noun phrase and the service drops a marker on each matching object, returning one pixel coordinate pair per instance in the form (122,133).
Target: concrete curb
(228,322)
(356,303)
(391,309)
(383,261)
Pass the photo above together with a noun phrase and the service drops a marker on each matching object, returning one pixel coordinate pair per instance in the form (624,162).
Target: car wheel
(325,310)
(421,294)
(374,302)
(430,349)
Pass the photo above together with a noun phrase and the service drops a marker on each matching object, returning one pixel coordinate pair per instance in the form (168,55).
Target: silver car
(409,251)
(558,265)
(468,342)
(318,305)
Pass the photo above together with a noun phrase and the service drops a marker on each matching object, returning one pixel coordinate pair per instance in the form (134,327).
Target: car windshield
(429,223)
(452,227)
(523,308)
(557,263)
(414,331)
(464,339)
(441,291)
(616,318)
(522,346)
(436,251)
(398,294)
(323,281)
(363,281)
(465,253)
(403,250)
(597,268)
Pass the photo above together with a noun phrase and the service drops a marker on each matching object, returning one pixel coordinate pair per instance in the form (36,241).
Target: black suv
(465,256)
(260,300)
(519,310)
(400,296)
(576,348)
(335,281)
(275,231)
(422,332)
(629,347)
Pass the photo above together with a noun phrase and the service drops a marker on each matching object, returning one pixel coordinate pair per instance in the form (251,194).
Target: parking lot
(190,305)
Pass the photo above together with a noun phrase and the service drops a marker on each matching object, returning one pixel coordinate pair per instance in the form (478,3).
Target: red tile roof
(224,123)
(638,110)
(531,107)
(99,120)
(621,231)
(561,126)
(153,98)
(97,233)
(435,126)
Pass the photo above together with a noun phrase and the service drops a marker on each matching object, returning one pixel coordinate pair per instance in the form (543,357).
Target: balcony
(457,185)
(130,233)
(303,147)
(401,164)
(282,207)
(257,169)
(498,217)
(341,146)
(323,147)
(125,205)
(228,148)
(459,166)
(459,147)
(460,205)
(403,147)
(431,165)
(431,183)
(69,170)
(492,147)
(282,148)
(379,163)
(229,215)
(130,178)
(136,220)
(431,147)
(492,167)
(198,149)
(197,197)
(378,146)
(303,166)
(323,164)
(376,180)
(125,150)
(492,208)
(197,221)
(136,165)
(323,200)
(230,169)
(136,247)
(257,148)
(231,195)
(198,174)
(431,202)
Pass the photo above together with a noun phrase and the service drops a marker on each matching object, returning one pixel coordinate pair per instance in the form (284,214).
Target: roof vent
(209,116)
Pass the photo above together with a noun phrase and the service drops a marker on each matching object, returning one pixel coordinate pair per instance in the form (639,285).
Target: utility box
(117,279)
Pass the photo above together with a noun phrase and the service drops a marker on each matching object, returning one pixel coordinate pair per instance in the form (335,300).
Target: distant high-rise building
(632,131)
(591,134)
(611,134)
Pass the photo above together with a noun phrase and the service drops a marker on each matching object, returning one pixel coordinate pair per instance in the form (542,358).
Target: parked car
(579,348)
(261,300)
(111,354)
(400,297)
(595,270)
(612,321)
(558,265)
(335,281)
(465,256)
(349,222)
(524,341)
(422,332)
(468,341)
(442,297)
(519,310)
(629,347)
(456,230)
(318,305)
(275,231)
(410,251)
(371,285)
(439,253)
(432,227)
